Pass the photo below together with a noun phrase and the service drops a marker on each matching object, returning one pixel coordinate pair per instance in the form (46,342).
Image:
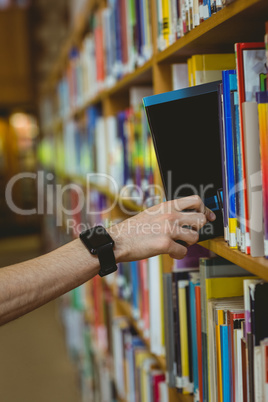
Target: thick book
(175,150)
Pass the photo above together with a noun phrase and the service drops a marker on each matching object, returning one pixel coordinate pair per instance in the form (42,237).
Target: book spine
(225,363)
(232,218)
(199,343)
(262,99)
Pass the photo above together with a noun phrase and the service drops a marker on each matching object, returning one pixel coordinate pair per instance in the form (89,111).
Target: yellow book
(225,287)
(140,356)
(208,67)
(183,334)
(147,365)
(165,21)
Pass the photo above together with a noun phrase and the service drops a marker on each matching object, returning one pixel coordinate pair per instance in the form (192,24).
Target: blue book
(142,25)
(225,363)
(192,285)
(138,27)
(121,117)
(238,167)
(135,288)
(228,80)
(223,160)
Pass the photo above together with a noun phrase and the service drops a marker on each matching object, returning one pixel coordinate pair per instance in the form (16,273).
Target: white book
(179,76)
(258,390)
(253,177)
(163,387)
(155,305)
(137,93)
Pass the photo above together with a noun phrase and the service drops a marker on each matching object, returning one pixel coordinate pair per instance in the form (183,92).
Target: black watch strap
(107,260)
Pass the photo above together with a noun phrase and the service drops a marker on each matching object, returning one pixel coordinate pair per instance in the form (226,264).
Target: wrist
(121,252)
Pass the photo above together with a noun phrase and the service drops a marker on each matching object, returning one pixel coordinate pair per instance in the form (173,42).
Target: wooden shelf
(240,21)
(256,265)
(73,39)
(82,181)
(126,310)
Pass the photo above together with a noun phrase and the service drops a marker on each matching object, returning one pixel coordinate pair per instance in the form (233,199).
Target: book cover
(226,380)
(228,79)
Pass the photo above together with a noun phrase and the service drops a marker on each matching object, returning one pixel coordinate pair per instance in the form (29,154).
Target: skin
(28,285)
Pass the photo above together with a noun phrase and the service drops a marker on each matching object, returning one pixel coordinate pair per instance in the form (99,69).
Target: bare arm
(28,285)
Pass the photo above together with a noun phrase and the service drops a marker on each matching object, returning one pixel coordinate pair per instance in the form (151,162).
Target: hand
(155,230)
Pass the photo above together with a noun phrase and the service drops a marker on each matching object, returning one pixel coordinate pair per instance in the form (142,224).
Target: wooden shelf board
(126,203)
(142,75)
(240,21)
(255,265)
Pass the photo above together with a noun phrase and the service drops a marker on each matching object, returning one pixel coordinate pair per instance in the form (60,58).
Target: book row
(116,151)
(121,367)
(119,40)
(214,332)
(177,17)
(243,117)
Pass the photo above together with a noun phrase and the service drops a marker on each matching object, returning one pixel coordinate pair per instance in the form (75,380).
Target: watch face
(95,238)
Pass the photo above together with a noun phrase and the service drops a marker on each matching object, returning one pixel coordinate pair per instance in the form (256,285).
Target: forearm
(28,285)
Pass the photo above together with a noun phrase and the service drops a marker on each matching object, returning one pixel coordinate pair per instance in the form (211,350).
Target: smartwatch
(99,242)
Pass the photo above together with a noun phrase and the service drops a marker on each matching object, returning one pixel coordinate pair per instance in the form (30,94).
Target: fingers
(188,236)
(195,203)
(196,220)
(177,251)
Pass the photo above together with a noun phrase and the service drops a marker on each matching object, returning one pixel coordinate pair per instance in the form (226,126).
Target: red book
(99,50)
(156,379)
(240,48)
(123,18)
(144,296)
(199,341)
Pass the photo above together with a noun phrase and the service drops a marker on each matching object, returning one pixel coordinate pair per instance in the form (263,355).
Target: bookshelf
(241,20)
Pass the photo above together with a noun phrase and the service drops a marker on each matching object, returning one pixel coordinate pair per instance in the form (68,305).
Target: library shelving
(237,21)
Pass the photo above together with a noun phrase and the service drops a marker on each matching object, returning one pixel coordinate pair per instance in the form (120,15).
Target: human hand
(155,230)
